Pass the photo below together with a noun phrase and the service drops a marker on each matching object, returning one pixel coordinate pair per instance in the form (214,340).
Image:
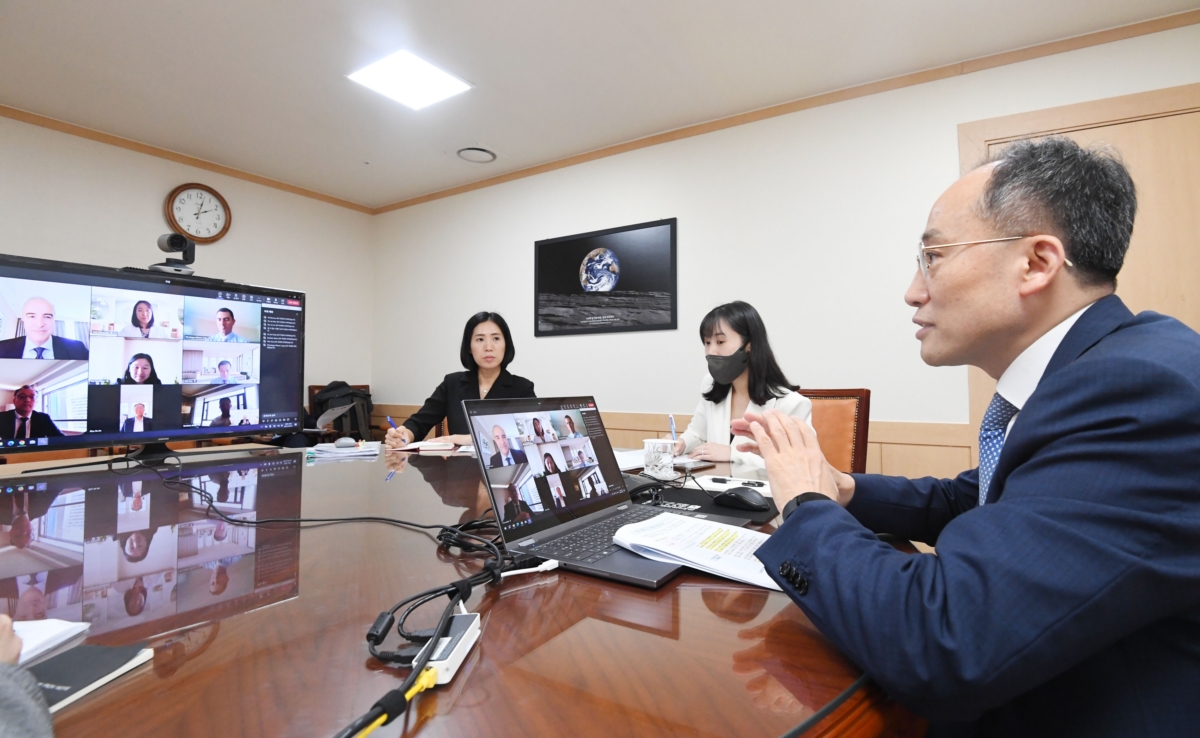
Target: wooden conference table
(560,654)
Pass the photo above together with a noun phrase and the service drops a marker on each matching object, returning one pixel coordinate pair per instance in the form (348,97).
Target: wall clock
(198,212)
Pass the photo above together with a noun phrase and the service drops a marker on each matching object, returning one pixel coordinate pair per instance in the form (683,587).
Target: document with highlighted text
(711,547)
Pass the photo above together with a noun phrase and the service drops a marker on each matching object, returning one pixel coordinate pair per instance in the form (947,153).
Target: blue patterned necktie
(991,440)
(39,352)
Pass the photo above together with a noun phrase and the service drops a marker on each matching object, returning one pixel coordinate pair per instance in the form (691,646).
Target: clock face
(198,213)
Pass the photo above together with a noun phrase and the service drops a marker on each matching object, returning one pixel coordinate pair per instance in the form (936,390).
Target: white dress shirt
(710,422)
(227,338)
(1021,378)
(31,354)
(137,425)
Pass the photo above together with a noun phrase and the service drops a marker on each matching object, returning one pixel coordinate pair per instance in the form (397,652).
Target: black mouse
(742,498)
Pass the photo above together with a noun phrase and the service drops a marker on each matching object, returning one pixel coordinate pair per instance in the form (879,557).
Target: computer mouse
(742,498)
(345,442)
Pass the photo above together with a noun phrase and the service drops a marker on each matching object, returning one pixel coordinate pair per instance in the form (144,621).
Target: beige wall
(70,199)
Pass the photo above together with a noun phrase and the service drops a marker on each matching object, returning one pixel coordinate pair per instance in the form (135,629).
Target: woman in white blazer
(743,376)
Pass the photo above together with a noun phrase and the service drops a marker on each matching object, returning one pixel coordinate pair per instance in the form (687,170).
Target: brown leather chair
(840,418)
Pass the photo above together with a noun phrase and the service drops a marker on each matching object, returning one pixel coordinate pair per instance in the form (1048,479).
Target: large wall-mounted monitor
(95,356)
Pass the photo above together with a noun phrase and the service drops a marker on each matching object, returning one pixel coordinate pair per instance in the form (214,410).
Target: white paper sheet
(716,548)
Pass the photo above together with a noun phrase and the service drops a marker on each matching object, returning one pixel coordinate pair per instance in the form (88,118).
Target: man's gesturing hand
(794,460)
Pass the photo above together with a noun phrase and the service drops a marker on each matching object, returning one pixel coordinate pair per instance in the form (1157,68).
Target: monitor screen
(547,461)
(91,356)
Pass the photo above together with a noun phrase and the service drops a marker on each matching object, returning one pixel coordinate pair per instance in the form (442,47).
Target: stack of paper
(39,637)
(711,547)
(364,450)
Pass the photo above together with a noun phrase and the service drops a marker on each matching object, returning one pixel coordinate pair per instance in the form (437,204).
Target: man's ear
(1045,258)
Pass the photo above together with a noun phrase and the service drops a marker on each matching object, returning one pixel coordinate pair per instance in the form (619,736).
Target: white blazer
(710,423)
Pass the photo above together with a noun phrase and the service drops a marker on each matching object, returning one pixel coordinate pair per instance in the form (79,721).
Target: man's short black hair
(227,310)
(464,354)
(1056,187)
(224,362)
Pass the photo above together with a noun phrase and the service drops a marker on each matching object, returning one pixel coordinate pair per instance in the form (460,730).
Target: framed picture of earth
(611,281)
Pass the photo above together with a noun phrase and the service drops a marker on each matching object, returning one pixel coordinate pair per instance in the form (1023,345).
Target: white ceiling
(260,85)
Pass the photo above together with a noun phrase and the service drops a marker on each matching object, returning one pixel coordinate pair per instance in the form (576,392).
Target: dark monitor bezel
(143,276)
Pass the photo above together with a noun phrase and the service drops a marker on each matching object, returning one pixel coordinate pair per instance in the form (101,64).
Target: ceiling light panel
(409,80)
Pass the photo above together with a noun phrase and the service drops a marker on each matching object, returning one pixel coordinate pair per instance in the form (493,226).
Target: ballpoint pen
(392,423)
(391,474)
(672,419)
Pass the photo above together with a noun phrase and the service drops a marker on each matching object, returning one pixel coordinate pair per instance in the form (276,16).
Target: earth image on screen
(599,271)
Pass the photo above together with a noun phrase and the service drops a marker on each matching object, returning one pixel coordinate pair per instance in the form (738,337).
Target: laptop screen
(546,460)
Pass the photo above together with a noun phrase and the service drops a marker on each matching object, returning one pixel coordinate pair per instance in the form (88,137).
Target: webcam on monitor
(174,243)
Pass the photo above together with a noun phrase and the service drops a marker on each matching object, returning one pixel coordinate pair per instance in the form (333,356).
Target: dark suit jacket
(446,401)
(147,424)
(517,454)
(40,425)
(1069,604)
(64,348)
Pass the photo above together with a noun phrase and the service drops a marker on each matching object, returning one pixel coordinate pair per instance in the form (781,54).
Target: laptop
(557,489)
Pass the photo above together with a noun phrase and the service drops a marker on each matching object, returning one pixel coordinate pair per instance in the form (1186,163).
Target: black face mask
(725,369)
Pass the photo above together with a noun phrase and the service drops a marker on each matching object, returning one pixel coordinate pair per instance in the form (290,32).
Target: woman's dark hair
(767,380)
(550,463)
(537,425)
(152,379)
(464,353)
(133,319)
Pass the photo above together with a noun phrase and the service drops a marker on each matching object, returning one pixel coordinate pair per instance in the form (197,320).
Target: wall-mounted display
(616,280)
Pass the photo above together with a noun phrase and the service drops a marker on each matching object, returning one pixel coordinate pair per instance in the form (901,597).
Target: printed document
(711,547)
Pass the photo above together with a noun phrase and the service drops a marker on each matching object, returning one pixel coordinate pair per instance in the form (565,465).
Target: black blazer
(64,348)
(446,401)
(40,425)
(147,424)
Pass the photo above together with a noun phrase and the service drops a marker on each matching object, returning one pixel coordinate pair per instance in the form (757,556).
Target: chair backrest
(840,417)
(357,422)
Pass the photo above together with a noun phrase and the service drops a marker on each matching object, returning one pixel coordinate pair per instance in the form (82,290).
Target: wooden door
(1158,137)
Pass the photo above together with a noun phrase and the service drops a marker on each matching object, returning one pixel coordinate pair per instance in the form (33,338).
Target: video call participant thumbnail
(224,375)
(225,324)
(504,454)
(140,370)
(139,422)
(39,341)
(142,323)
(23,422)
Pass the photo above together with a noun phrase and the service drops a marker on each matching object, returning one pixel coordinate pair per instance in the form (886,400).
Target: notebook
(557,487)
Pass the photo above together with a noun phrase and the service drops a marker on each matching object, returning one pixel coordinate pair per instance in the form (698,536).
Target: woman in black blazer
(487,350)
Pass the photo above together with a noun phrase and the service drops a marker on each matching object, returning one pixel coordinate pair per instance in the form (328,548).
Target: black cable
(824,712)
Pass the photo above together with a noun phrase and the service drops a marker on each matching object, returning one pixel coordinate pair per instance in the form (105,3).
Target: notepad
(39,637)
(80,671)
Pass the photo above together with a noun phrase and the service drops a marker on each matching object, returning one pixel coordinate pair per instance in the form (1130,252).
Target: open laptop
(557,488)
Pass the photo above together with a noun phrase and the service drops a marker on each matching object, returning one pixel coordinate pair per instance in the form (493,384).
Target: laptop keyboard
(589,545)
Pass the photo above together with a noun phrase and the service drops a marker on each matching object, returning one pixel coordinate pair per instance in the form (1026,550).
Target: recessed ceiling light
(410,80)
(477,155)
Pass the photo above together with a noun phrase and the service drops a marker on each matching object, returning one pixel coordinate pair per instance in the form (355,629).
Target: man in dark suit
(24,421)
(139,414)
(39,341)
(1064,598)
(504,455)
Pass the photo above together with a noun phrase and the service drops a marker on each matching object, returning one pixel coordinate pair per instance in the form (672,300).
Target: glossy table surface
(560,653)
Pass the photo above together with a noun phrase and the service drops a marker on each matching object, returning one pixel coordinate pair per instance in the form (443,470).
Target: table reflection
(136,557)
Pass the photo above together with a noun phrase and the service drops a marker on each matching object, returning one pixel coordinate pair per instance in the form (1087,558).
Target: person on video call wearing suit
(140,422)
(223,369)
(504,456)
(1064,599)
(225,323)
(39,341)
(25,422)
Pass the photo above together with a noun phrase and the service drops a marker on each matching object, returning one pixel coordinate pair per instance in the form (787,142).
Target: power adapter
(450,651)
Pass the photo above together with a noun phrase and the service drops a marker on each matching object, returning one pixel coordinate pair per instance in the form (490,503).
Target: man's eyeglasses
(924,258)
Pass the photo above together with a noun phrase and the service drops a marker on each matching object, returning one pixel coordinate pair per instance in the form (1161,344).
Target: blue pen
(392,422)
(391,474)
(672,419)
